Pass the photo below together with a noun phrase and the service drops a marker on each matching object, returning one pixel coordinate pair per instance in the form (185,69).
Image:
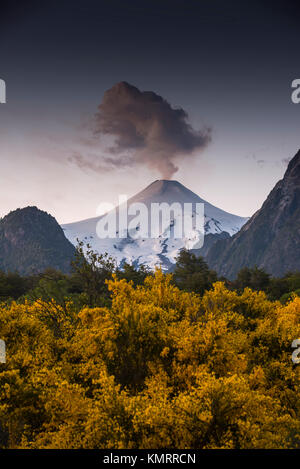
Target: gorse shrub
(157,367)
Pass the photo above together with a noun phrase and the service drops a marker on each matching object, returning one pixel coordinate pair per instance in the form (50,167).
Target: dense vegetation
(109,358)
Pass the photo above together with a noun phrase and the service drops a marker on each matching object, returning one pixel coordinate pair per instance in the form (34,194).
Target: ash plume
(146,130)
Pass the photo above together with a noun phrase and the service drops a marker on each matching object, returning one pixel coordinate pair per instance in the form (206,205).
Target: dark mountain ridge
(271,238)
(31,241)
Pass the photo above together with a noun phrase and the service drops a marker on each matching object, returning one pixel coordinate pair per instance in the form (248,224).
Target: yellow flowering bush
(158,368)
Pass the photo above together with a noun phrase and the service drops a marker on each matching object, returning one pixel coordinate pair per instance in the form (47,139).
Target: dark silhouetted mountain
(271,238)
(31,241)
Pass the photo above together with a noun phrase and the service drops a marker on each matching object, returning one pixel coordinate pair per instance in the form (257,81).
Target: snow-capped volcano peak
(165,190)
(162,249)
(170,191)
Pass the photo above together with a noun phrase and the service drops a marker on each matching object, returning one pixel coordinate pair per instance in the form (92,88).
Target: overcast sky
(228,65)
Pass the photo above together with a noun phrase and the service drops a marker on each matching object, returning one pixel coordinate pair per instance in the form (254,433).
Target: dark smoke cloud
(146,130)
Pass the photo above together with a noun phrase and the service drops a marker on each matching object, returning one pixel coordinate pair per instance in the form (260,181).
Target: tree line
(90,271)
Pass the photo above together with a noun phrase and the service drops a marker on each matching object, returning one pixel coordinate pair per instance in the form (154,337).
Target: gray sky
(229,66)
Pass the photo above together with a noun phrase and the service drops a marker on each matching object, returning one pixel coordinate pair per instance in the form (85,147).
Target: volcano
(161,250)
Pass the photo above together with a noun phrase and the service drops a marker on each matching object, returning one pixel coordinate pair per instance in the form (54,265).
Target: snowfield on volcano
(163,249)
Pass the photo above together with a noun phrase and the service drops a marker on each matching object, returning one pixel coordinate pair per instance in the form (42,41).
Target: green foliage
(192,273)
(12,286)
(283,287)
(91,271)
(254,278)
(135,274)
(86,284)
(289,296)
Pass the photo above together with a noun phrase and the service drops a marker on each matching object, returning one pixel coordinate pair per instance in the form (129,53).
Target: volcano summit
(161,250)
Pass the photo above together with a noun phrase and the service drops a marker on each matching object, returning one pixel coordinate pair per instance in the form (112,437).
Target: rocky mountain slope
(31,241)
(271,238)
